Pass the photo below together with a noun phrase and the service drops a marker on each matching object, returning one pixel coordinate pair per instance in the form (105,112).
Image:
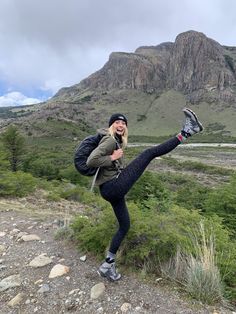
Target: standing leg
(122,215)
(108,269)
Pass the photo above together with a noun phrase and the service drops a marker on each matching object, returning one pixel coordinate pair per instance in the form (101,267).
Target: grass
(196,166)
(197,272)
(203,280)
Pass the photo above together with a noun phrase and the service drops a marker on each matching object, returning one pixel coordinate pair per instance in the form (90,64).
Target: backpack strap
(94,180)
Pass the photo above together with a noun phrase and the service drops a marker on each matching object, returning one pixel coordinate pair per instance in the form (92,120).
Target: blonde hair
(111,131)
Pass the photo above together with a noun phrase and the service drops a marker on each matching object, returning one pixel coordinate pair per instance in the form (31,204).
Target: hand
(117,154)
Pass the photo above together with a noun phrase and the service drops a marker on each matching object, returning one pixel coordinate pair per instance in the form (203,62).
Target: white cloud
(52,44)
(17,99)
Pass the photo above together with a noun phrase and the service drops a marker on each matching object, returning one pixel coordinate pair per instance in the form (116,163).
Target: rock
(70,304)
(30,237)
(2,248)
(40,261)
(125,307)
(97,290)
(14,232)
(83,258)
(45,288)
(2,267)
(20,235)
(58,270)
(16,300)
(74,291)
(10,282)
(138,308)
(2,234)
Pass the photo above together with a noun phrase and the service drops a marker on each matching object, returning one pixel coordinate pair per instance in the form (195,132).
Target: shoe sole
(194,117)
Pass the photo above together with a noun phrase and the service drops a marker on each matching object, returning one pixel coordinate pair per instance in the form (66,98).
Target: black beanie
(117,116)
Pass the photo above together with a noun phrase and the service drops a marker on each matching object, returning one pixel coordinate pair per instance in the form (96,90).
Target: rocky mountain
(194,64)
(150,86)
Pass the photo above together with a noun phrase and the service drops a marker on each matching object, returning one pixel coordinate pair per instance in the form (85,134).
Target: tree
(13,143)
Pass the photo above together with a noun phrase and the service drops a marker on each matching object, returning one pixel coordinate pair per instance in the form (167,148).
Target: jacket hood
(103,131)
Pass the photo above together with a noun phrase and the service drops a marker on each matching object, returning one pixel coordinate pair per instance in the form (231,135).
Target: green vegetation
(167,211)
(155,238)
(222,201)
(196,166)
(16,183)
(13,143)
(7,113)
(197,271)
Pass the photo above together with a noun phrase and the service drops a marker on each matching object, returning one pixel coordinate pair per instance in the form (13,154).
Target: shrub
(150,191)
(16,184)
(4,164)
(222,201)
(14,144)
(71,174)
(43,168)
(154,238)
(152,234)
(196,196)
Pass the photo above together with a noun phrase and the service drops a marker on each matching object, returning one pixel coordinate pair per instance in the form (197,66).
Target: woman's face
(119,127)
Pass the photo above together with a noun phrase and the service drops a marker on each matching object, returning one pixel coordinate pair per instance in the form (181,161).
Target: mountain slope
(151,86)
(195,65)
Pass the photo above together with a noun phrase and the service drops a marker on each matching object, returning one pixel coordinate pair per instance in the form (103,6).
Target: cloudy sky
(49,44)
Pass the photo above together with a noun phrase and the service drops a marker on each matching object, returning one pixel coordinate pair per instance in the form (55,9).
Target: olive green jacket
(101,157)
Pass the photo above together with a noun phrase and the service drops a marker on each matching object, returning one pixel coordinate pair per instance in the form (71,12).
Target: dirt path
(74,290)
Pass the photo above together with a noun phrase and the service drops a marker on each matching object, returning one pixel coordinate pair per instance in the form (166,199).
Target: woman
(115,181)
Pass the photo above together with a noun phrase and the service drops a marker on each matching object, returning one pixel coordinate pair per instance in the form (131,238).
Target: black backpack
(82,153)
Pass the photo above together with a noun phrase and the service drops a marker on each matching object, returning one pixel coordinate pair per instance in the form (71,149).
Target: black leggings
(114,191)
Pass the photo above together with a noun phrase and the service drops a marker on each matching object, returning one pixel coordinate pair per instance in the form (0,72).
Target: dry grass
(203,280)
(197,272)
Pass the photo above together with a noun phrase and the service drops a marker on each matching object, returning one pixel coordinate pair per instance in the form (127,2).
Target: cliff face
(194,64)
(198,65)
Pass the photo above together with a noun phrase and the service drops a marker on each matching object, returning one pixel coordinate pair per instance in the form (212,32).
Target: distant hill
(151,86)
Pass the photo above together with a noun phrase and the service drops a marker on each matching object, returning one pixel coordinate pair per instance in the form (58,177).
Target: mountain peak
(194,64)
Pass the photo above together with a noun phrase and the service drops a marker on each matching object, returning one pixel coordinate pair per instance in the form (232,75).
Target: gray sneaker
(192,124)
(109,271)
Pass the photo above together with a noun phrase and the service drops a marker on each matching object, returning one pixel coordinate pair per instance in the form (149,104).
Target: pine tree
(13,143)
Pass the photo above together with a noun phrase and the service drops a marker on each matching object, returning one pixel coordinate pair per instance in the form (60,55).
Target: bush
(71,174)
(16,184)
(150,191)
(154,238)
(196,196)
(4,163)
(43,168)
(152,234)
(222,201)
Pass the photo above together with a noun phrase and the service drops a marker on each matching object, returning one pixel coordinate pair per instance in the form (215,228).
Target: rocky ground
(39,274)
